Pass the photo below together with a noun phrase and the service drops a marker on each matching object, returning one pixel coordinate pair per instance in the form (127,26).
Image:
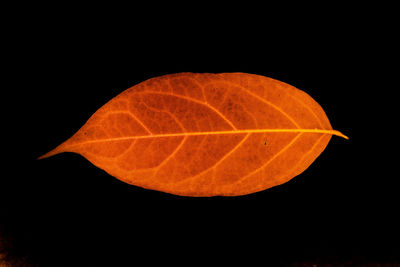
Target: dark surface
(63,211)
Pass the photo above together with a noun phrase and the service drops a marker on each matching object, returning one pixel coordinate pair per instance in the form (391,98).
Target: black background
(63,211)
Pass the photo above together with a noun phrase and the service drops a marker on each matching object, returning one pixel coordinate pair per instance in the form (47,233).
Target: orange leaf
(205,134)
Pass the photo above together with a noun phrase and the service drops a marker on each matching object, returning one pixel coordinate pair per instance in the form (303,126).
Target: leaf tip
(53,152)
(49,154)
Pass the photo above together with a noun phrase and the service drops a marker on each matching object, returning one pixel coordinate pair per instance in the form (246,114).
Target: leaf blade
(179,133)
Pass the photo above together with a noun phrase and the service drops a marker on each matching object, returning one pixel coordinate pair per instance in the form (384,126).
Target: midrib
(333,132)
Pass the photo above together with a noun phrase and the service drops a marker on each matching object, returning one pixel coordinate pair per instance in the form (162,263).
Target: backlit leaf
(205,134)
